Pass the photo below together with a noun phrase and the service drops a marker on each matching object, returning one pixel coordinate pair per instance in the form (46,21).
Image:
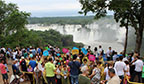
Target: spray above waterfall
(101,32)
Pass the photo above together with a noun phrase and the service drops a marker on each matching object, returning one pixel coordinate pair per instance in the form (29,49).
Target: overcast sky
(48,8)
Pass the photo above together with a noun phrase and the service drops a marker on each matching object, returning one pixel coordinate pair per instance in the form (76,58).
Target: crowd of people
(52,65)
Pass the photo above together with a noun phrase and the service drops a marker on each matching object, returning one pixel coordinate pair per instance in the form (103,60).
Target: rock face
(97,33)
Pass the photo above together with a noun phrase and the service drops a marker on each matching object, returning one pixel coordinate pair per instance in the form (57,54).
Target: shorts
(5,76)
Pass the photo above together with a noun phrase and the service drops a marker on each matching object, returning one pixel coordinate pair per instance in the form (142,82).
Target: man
(138,68)
(15,69)
(74,70)
(109,53)
(23,64)
(50,71)
(114,79)
(100,50)
(3,72)
(83,79)
(89,48)
(32,63)
(120,67)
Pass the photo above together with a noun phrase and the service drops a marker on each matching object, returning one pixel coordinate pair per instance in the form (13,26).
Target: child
(65,74)
(30,69)
(3,72)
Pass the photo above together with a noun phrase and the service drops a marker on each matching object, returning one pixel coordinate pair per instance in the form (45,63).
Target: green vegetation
(38,38)
(82,20)
(13,32)
(11,19)
(129,13)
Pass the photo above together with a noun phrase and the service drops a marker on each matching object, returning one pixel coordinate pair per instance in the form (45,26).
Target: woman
(37,74)
(96,75)
(83,79)
(65,74)
(58,76)
(30,69)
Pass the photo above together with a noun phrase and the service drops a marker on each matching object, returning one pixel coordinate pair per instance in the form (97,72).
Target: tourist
(96,53)
(3,72)
(58,74)
(50,69)
(85,62)
(15,69)
(37,74)
(101,67)
(89,48)
(96,75)
(30,69)
(127,72)
(109,54)
(65,74)
(114,79)
(83,79)
(121,68)
(100,50)
(32,63)
(23,64)
(115,56)
(108,66)
(4,58)
(74,70)
(138,68)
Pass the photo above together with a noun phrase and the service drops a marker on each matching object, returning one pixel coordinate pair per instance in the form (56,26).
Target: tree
(11,19)
(127,12)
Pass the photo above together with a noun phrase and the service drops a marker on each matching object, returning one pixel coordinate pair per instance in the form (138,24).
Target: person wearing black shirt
(23,64)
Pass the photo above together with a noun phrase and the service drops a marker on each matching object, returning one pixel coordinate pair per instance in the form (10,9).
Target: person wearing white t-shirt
(108,66)
(128,68)
(120,67)
(138,68)
(100,49)
(109,53)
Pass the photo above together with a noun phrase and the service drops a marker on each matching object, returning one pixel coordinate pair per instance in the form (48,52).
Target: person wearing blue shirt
(16,70)
(32,63)
(74,70)
(39,50)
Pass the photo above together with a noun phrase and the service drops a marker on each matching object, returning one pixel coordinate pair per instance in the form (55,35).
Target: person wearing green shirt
(83,79)
(50,71)
(25,54)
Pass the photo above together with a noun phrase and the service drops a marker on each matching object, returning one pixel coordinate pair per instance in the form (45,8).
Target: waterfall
(94,34)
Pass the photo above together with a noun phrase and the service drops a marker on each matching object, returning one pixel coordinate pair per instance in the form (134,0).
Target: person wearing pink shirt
(3,72)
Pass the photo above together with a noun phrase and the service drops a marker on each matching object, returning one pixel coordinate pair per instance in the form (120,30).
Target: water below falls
(90,35)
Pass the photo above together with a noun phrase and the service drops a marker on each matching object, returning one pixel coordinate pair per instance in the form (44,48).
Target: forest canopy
(38,38)
(82,20)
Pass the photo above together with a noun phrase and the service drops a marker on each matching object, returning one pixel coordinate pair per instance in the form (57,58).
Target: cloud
(50,7)
(46,5)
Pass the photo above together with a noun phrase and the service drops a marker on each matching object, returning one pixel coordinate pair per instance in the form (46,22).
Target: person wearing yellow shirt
(50,71)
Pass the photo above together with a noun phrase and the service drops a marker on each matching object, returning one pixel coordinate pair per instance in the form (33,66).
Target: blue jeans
(74,79)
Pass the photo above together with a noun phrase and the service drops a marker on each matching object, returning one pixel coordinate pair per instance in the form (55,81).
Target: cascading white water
(97,33)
